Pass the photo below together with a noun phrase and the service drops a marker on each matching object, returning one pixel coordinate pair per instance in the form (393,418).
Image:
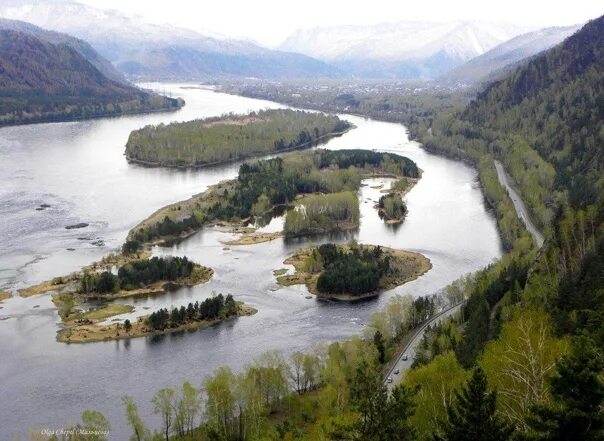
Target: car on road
(389,380)
(396,372)
(405,357)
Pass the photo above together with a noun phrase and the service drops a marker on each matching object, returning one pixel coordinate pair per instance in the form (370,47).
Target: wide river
(78,168)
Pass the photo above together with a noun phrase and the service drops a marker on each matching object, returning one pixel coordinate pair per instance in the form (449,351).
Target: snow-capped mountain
(409,49)
(509,53)
(150,51)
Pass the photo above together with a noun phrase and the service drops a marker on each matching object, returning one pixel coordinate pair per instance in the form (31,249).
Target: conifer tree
(472,416)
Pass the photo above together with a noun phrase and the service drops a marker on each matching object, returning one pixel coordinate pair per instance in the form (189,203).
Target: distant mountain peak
(163,52)
(404,48)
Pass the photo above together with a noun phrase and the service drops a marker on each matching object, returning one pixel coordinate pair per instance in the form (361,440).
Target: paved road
(409,350)
(518,204)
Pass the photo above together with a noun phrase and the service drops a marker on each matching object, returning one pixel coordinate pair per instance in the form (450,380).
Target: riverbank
(94,331)
(405,266)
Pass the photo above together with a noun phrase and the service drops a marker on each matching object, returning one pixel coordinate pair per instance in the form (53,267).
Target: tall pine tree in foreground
(578,390)
(472,416)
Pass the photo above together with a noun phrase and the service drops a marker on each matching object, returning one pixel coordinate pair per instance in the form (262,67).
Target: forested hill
(41,81)
(555,102)
(83,48)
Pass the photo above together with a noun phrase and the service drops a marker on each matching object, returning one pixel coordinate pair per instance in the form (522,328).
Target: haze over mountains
(160,52)
(506,55)
(405,49)
(459,51)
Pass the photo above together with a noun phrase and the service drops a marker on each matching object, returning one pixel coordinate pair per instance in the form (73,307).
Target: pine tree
(472,416)
(378,341)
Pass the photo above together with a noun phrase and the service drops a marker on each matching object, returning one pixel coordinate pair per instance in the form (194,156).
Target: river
(79,169)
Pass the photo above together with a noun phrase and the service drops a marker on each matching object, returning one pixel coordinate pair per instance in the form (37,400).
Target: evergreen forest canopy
(355,271)
(231,137)
(41,82)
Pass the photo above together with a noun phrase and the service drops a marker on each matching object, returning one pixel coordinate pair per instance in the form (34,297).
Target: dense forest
(231,137)
(137,274)
(354,271)
(41,82)
(262,185)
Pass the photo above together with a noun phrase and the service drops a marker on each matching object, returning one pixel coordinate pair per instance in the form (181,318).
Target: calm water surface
(80,171)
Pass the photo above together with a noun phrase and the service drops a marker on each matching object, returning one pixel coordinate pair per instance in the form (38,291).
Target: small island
(352,272)
(4,295)
(392,208)
(88,327)
(229,138)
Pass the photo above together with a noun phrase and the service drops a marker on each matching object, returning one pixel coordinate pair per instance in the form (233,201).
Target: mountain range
(401,50)
(160,52)
(457,51)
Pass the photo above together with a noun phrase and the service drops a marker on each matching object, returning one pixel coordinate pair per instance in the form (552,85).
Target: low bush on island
(392,206)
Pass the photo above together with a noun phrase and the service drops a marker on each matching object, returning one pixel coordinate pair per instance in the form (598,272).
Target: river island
(318,189)
(351,272)
(229,138)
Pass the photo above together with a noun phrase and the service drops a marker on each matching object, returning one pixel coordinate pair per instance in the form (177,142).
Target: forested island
(231,137)
(318,187)
(115,277)
(352,272)
(85,328)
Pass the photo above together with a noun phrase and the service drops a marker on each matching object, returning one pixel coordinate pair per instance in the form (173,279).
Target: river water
(79,169)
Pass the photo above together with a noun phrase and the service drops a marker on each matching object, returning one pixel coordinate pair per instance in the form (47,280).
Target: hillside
(83,48)
(555,104)
(506,56)
(41,81)
(161,52)
(400,50)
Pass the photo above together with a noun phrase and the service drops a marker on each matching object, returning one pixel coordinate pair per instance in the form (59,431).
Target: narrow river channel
(79,170)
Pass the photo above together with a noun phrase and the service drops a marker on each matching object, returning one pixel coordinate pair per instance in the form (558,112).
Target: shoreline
(75,119)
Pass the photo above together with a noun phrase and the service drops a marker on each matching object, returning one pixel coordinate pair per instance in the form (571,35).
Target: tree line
(137,274)
(217,306)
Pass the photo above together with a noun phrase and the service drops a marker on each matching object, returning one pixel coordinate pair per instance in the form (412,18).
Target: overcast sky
(270,21)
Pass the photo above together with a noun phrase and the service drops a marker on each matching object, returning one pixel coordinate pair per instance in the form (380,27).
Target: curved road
(521,209)
(409,350)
